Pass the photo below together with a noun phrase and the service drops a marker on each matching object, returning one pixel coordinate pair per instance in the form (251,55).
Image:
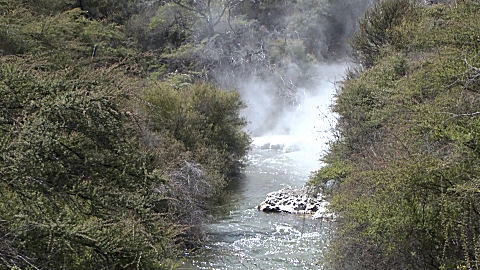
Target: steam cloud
(311,90)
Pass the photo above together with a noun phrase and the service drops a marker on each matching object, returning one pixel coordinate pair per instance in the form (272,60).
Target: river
(240,236)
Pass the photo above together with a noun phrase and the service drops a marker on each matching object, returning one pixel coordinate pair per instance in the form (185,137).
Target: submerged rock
(297,201)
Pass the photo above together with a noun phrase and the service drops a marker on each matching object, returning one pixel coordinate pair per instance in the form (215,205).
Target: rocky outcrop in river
(297,201)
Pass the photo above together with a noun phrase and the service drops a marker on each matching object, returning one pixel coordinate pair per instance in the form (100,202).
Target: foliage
(230,41)
(205,119)
(91,177)
(375,29)
(408,193)
(77,189)
(60,39)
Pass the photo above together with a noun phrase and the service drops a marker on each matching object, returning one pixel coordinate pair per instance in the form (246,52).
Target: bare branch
(229,23)
(464,114)
(221,14)
(179,3)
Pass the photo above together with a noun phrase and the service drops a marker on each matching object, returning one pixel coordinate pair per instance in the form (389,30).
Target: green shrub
(90,178)
(376,29)
(407,155)
(78,192)
(202,117)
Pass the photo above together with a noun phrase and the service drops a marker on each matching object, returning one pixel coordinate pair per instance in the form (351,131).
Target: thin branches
(207,12)
(471,77)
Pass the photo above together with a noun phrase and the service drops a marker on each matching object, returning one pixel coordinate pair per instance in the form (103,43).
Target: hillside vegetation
(407,155)
(119,125)
(101,165)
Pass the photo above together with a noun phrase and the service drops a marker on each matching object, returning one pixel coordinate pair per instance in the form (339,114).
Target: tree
(211,12)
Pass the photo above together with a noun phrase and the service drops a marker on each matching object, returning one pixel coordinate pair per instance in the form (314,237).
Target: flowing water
(241,237)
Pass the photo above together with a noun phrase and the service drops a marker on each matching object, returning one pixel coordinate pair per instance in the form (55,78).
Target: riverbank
(406,157)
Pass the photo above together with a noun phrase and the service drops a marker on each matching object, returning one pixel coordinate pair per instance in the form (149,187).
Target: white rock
(297,201)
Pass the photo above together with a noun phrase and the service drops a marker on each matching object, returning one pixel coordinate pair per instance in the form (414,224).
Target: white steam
(301,131)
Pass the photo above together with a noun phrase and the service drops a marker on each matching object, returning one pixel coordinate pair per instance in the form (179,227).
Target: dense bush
(375,29)
(406,159)
(205,119)
(201,131)
(101,167)
(77,191)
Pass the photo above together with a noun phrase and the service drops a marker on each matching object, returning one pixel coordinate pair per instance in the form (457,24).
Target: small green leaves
(406,160)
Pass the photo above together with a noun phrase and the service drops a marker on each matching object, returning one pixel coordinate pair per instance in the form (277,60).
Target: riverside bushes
(204,118)
(407,156)
(77,190)
(100,167)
